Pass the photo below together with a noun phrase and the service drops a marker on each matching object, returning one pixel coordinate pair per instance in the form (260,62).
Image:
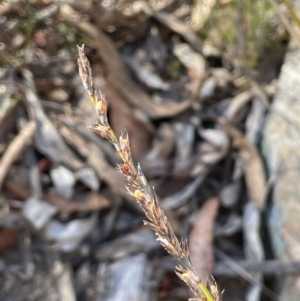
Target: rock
(281,147)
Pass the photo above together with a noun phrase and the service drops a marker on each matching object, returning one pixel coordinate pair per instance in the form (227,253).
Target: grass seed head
(138,187)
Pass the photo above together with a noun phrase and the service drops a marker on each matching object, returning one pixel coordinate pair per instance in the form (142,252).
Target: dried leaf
(125,279)
(237,103)
(215,148)
(179,198)
(70,235)
(88,202)
(15,149)
(216,137)
(253,166)
(137,242)
(88,177)
(201,12)
(208,88)
(38,212)
(63,180)
(146,76)
(201,239)
(121,118)
(191,59)
(179,27)
(196,66)
(47,138)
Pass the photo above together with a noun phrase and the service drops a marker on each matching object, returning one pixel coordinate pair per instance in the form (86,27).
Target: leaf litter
(195,123)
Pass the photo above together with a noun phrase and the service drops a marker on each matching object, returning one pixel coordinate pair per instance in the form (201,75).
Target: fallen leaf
(218,141)
(70,235)
(147,76)
(179,27)
(38,212)
(137,242)
(120,115)
(237,103)
(88,202)
(63,180)
(125,279)
(196,66)
(191,59)
(201,239)
(21,141)
(181,197)
(252,163)
(47,138)
(201,12)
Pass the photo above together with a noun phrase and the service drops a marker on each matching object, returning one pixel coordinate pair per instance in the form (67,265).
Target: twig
(138,187)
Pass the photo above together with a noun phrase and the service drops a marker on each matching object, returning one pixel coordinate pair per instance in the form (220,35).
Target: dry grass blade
(138,187)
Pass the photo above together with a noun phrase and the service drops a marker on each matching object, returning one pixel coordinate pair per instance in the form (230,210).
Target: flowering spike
(138,187)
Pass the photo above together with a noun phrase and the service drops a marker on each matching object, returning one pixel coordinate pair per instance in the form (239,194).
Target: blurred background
(208,91)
